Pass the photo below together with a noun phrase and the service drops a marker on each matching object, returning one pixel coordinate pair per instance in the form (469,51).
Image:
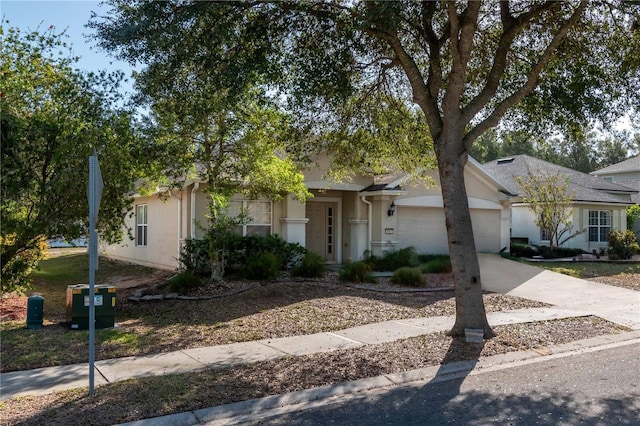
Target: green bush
(357,272)
(184,282)
(407,276)
(426,258)
(438,265)
(239,249)
(522,250)
(394,259)
(194,257)
(311,266)
(622,245)
(558,252)
(262,266)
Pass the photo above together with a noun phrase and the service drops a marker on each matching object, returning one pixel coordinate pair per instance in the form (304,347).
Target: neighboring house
(626,173)
(598,206)
(340,223)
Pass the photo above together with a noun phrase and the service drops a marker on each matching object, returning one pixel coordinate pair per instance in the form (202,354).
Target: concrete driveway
(615,304)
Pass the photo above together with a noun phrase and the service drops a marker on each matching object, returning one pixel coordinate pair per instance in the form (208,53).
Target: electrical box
(78,306)
(35,311)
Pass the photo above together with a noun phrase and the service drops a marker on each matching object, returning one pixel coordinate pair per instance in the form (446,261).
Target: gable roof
(393,182)
(635,185)
(630,165)
(584,187)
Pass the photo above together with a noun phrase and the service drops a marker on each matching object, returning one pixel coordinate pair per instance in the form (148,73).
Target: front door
(321,229)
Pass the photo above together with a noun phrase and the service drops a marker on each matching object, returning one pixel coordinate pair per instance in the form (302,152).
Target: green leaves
(53,117)
(548,197)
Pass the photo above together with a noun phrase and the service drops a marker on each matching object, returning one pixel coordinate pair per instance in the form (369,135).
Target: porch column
(384,227)
(358,234)
(293,221)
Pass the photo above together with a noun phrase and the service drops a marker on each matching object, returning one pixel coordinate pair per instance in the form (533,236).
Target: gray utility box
(78,306)
(35,311)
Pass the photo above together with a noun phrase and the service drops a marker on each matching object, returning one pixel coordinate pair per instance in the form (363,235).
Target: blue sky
(71,16)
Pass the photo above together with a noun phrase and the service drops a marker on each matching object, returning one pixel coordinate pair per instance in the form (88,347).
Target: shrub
(184,282)
(239,249)
(408,276)
(558,252)
(357,272)
(522,250)
(394,259)
(438,265)
(194,257)
(311,266)
(622,245)
(262,266)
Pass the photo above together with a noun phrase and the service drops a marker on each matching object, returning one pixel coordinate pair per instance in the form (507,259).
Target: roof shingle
(582,186)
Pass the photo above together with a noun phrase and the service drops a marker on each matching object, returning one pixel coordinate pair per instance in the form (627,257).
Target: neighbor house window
(599,225)
(259,216)
(141,225)
(544,235)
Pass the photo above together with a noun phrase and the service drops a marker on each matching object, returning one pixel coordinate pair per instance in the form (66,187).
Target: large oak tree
(464,65)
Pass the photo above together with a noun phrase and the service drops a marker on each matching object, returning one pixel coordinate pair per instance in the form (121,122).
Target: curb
(262,408)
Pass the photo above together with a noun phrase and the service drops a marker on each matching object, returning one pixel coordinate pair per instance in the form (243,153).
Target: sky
(72,16)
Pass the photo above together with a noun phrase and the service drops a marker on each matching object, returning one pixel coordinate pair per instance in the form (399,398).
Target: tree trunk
(470,311)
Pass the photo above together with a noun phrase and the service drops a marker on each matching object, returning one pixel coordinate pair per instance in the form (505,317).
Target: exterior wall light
(392,209)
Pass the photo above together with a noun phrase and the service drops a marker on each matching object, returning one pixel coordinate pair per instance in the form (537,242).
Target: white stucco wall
(163,234)
(523,226)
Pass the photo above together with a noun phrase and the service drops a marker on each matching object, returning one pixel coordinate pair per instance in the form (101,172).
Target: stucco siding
(522,222)
(163,237)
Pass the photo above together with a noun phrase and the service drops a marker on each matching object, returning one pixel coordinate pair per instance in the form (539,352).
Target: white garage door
(486,230)
(424,228)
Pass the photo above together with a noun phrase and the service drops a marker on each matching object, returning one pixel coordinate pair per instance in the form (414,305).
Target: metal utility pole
(95,195)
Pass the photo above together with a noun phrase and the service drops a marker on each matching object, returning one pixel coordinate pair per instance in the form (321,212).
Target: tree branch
(511,28)
(493,119)
(462,30)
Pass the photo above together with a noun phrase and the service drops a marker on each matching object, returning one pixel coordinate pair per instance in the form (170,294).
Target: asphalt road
(597,388)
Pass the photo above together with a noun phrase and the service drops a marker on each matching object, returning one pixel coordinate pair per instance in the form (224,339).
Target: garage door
(486,230)
(424,228)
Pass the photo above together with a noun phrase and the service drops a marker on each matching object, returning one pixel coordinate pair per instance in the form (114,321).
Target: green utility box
(78,306)
(35,311)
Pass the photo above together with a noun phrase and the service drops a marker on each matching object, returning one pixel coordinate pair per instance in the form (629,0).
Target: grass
(589,269)
(56,273)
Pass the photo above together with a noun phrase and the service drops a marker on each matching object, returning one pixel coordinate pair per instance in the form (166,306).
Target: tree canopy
(53,117)
(580,149)
(463,65)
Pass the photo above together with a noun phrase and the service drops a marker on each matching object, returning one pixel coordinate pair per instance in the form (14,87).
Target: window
(141,225)
(259,214)
(599,225)
(544,235)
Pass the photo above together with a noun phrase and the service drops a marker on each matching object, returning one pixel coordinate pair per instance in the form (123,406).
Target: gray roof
(630,165)
(582,186)
(634,185)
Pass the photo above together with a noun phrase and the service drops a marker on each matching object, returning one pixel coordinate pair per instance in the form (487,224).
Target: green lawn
(57,273)
(589,269)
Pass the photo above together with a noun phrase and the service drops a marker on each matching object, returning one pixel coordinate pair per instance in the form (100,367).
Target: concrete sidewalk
(571,297)
(46,380)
